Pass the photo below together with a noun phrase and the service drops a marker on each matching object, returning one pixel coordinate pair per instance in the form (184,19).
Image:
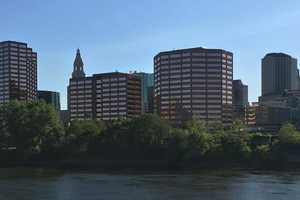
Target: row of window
(109,103)
(209,116)
(80,92)
(193,65)
(111,114)
(105,80)
(208,81)
(194,54)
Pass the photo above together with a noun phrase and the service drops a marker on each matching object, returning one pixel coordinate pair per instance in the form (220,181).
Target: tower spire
(78,71)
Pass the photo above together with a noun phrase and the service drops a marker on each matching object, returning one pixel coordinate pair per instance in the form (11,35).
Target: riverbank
(146,142)
(151,165)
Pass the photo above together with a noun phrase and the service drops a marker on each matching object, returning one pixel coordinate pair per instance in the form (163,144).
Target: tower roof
(78,71)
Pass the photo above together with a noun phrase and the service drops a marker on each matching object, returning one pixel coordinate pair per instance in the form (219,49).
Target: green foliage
(287,144)
(289,135)
(238,127)
(177,145)
(198,139)
(148,130)
(143,131)
(80,134)
(196,126)
(262,152)
(233,143)
(215,127)
(35,129)
(30,127)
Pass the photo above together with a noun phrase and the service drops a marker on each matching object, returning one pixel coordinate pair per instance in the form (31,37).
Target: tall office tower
(18,72)
(239,100)
(80,91)
(194,82)
(279,72)
(50,97)
(106,96)
(117,95)
(147,91)
(240,93)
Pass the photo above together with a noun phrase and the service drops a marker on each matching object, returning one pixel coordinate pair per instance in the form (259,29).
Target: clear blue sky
(125,35)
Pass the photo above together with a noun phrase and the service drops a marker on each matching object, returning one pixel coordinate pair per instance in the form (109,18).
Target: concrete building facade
(279,73)
(18,72)
(277,109)
(106,96)
(194,82)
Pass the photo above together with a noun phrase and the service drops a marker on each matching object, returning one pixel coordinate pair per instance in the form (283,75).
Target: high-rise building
(239,100)
(194,82)
(50,97)
(106,96)
(240,93)
(280,92)
(279,73)
(147,80)
(277,109)
(18,72)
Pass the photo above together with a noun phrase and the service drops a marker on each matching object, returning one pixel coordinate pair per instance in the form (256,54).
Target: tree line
(34,132)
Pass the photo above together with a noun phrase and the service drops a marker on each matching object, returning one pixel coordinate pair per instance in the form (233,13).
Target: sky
(126,35)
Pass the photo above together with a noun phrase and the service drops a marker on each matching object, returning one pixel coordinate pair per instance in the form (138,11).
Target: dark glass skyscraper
(147,85)
(50,97)
(240,93)
(239,100)
(279,73)
(18,72)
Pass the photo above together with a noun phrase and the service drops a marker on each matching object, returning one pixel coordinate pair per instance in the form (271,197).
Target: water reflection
(223,185)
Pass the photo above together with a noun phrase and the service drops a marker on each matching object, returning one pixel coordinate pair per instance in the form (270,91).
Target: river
(40,184)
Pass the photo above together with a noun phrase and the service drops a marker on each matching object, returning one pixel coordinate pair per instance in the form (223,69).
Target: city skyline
(149,99)
(104,31)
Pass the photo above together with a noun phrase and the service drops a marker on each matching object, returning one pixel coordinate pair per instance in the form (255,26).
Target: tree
(215,127)
(288,134)
(233,143)
(238,127)
(81,134)
(198,139)
(116,132)
(148,129)
(31,127)
(287,143)
(196,126)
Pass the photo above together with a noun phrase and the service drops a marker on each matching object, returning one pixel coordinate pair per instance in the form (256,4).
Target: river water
(39,184)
